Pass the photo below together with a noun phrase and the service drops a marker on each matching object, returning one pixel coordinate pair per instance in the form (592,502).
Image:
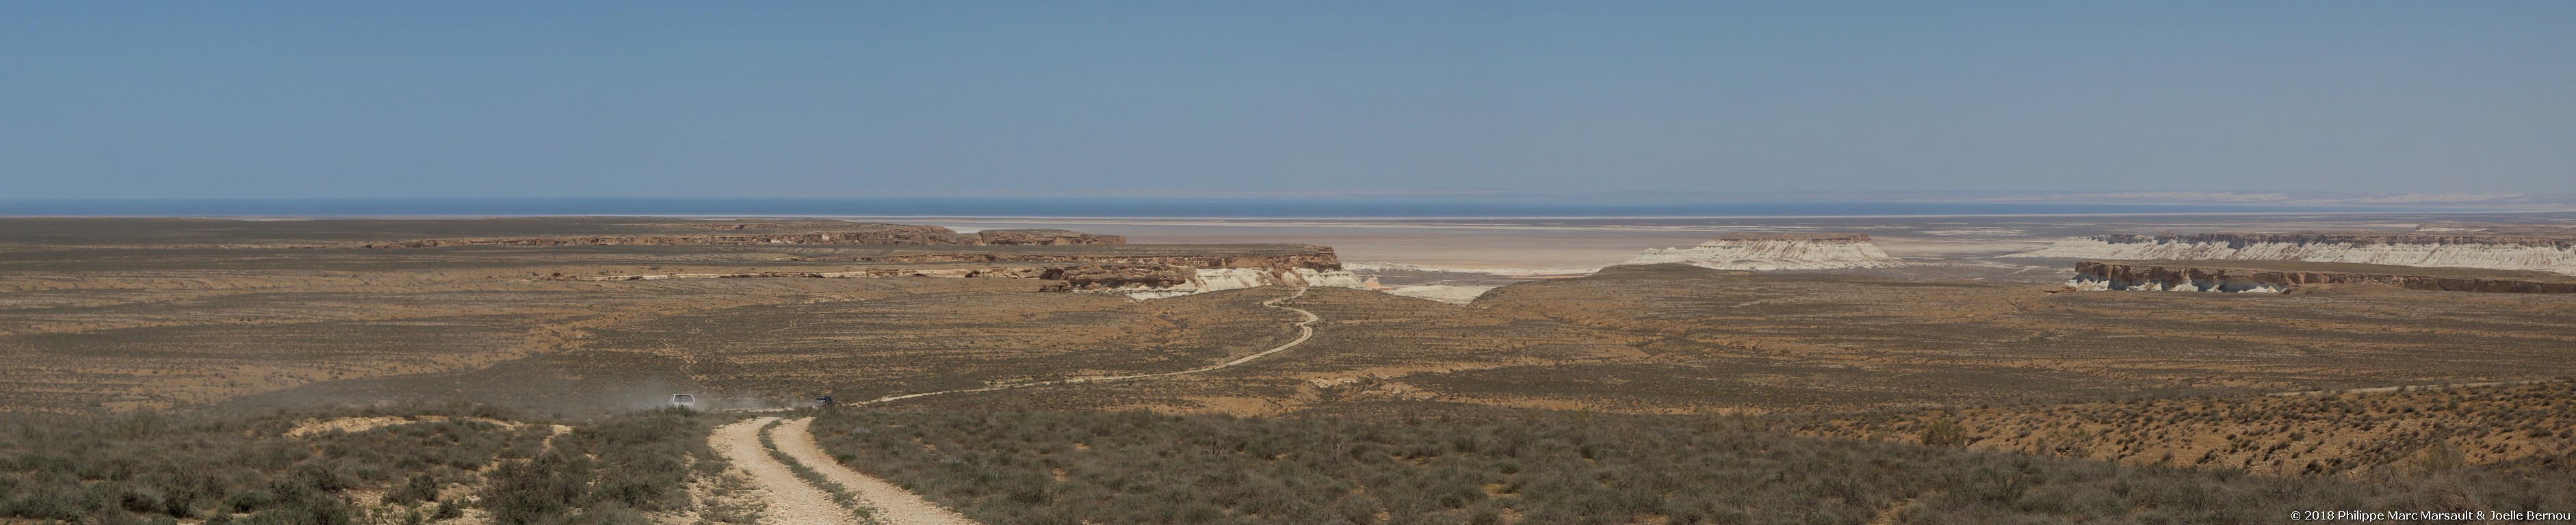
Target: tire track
(893,504)
(1305,330)
(791,500)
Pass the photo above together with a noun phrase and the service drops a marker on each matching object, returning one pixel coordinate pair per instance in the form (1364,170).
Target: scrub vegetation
(1479,466)
(410,465)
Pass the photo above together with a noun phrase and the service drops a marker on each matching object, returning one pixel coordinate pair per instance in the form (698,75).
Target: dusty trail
(1305,330)
(794,502)
(791,500)
(893,504)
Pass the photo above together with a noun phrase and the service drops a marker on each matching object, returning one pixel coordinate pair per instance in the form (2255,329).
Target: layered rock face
(1044,237)
(1142,281)
(1159,281)
(866,234)
(1156,274)
(2553,230)
(1318,258)
(2459,250)
(2207,276)
(1776,252)
(1203,280)
(1153,274)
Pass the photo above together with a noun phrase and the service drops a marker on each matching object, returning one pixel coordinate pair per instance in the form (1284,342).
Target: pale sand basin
(1443,293)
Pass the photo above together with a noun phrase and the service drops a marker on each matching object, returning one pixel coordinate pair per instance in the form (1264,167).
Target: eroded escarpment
(865,234)
(1803,251)
(2555,230)
(2346,238)
(1140,271)
(2233,276)
(2550,253)
(1308,257)
(1142,281)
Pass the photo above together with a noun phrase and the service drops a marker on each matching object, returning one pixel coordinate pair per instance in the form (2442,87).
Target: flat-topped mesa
(2423,249)
(1143,271)
(1122,273)
(2346,238)
(1044,237)
(1320,259)
(868,234)
(1822,238)
(2277,277)
(2559,230)
(1776,251)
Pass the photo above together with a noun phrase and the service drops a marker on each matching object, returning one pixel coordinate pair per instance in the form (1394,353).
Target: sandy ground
(894,505)
(790,500)
(363,424)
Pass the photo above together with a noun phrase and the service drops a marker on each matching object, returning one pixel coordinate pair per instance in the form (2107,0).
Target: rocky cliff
(862,234)
(1044,237)
(2218,276)
(1776,252)
(2556,230)
(1141,271)
(2445,249)
(1204,280)
(1142,281)
(1317,258)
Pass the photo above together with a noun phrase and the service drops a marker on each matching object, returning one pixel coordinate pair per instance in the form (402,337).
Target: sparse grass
(420,468)
(1554,467)
(840,494)
(2345,433)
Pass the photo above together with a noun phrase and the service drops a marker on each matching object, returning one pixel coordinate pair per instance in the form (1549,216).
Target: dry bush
(1479,466)
(225,469)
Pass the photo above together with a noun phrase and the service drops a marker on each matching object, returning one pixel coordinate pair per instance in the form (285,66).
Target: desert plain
(1010,371)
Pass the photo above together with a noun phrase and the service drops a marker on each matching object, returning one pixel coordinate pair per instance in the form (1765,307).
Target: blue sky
(470,99)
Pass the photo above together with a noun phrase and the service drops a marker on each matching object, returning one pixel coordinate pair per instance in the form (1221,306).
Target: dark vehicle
(823,401)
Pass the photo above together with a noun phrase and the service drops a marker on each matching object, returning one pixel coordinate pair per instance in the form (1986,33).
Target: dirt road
(894,505)
(1305,330)
(791,500)
(794,502)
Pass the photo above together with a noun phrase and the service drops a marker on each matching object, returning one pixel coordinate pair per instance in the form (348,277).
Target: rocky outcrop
(1076,278)
(2443,249)
(1759,252)
(865,234)
(1317,258)
(1143,276)
(2210,277)
(2555,230)
(1044,238)
(1124,276)
(1219,279)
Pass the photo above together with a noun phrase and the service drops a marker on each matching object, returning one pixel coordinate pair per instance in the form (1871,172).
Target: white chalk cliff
(1776,252)
(2459,251)
(1218,279)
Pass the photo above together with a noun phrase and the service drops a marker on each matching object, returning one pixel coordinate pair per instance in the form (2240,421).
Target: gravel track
(794,502)
(1305,330)
(894,505)
(791,500)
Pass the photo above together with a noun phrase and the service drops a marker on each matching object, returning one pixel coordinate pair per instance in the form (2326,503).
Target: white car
(688,401)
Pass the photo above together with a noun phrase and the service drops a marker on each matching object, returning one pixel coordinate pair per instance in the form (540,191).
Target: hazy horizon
(476,100)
